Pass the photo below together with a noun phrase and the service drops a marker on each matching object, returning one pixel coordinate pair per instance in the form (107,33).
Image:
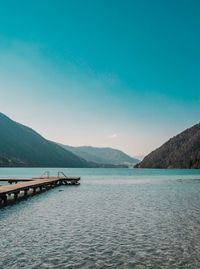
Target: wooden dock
(19,187)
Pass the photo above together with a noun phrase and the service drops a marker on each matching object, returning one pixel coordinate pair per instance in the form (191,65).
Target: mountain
(22,146)
(102,155)
(181,151)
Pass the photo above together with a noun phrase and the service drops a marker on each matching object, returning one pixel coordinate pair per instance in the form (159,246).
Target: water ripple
(105,226)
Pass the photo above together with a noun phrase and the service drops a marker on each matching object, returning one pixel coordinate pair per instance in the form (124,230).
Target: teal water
(116,218)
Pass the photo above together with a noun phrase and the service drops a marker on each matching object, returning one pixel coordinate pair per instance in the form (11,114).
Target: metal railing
(61,173)
(46,173)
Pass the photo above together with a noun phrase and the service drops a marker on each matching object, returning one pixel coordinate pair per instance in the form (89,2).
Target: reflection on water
(116,218)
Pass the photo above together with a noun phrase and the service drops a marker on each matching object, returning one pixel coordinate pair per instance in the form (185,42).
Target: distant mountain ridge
(181,151)
(102,155)
(22,146)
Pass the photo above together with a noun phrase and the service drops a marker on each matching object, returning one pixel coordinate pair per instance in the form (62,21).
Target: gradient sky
(117,73)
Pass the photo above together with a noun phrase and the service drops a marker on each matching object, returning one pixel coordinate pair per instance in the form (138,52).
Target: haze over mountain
(181,151)
(102,155)
(22,146)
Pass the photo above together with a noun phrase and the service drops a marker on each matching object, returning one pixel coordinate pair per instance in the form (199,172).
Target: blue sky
(113,73)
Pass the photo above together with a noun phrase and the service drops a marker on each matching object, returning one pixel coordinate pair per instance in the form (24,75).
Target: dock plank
(16,179)
(23,185)
(34,178)
(33,183)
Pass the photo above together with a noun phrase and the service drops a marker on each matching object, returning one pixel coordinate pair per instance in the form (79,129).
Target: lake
(116,218)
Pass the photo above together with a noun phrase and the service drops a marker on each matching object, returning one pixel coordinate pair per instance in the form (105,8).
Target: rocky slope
(181,151)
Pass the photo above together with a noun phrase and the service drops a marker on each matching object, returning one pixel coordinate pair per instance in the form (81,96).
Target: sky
(107,73)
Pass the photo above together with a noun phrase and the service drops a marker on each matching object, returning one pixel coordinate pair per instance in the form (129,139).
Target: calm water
(116,218)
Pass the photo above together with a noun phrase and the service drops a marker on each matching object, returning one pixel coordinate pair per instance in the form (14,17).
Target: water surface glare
(116,218)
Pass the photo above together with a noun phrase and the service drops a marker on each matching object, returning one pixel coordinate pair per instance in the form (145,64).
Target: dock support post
(3,199)
(15,195)
(25,192)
